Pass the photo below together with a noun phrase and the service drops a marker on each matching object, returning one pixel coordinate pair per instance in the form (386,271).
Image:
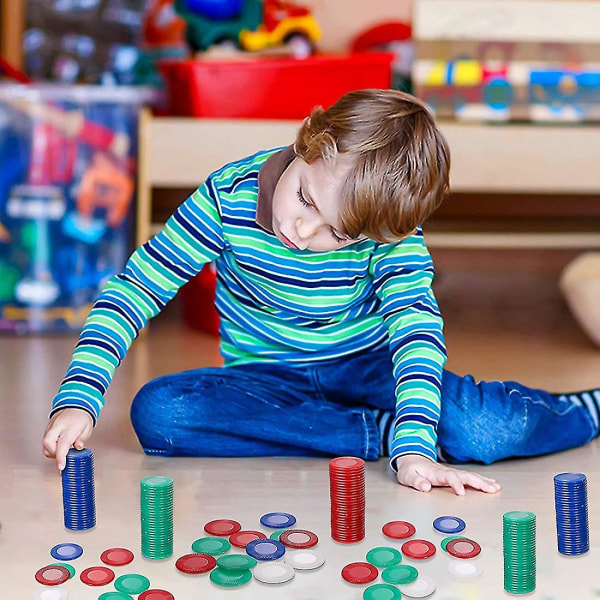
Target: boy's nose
(305,230)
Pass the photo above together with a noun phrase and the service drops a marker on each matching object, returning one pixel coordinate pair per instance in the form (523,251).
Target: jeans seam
(314,377)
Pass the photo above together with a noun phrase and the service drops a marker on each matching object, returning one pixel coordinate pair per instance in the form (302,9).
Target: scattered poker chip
(298,538)
(360,572)
(226,578)
(67,566)
(382,591)
(96,576)
(114,596)
(418,549)
(278,520)
(66,551)
(265,549)
(449,524)
(116,557)
(52,594)
(236,562)
(305,560)
(420,588)
(223,527)
(132,584)
(463,548)
(194,564)
(156,595)
(240,539)
(398,530)
(52,575)
(383,556)
(274,572)
(400,574)
(445,541)
(465,569)
(215,546)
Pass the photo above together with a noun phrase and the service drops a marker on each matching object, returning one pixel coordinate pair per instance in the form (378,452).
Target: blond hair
(400,160)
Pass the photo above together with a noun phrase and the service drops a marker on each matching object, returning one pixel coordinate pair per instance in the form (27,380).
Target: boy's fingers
(62,448)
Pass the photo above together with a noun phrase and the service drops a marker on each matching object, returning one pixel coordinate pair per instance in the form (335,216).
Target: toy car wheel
(300,45)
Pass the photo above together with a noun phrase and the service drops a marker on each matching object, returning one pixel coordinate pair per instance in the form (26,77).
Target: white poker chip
(465,569)
(420,588)
(273,572)
(306,559)
(51,594)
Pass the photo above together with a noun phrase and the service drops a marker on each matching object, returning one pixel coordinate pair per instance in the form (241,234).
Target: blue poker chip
(265,549)
(68,551)
(449,524)
(278,520)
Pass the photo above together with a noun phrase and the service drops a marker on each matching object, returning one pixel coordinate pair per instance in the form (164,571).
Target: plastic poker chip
(384,556)
(97,576)
(67,566)
(52,575)
(420,588)
(132,584)
(274,572)
(156,595)
(215,546)
(400,574)
(115,596)
(226,578)
(278,520)
(52,594)
(445,541)
(465,569)
(66,551)
(463,548)
(223,527)
(116,557)
(449,524)
(398,530)
(194,564)
(240,539)
(277,534)
(360,572)
(265,549)
(419,549)
(382,591)
(299,538)
(305,560)
(236,562)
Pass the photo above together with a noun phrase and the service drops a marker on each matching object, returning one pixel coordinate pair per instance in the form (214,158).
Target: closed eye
(302,199)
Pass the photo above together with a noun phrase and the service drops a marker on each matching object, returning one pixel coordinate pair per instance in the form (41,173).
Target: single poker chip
(278,520)
(398,530)
(465,569)
(116,557)
(52,575)
(215,546)
(96,576)
(299,538)
(52,594)
(418,549)
(224,527)
(226,578)
(236,562)
(265,549)
(305,560)
(400,574)
(114,596)
(360,572)
(350,463)
(194,564)
(449,524)
(463,548)
(156,595)
(66,551)
(382,591)
(277,534)
(132,584)
(383,556)
(420,588)
(240,539)
(274,572)
(67,566)
(445,541)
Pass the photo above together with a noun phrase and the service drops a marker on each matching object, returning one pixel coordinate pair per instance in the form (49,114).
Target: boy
(330,332)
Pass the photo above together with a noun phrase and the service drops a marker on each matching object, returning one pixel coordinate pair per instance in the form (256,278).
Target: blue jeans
(273,409)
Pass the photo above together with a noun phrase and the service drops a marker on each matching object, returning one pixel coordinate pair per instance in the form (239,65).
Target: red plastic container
(270,87)
(198,302)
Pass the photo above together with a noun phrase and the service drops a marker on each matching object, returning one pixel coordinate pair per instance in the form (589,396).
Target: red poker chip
(360,572)
(222,527)
(419,549)
(97,576)
(298,538)
(398,530)
(347,463)
(463,548)
(156,595)
(116,557)
(194,564)
(242,538)
(52,575)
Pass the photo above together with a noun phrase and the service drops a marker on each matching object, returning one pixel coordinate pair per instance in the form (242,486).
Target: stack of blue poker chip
(570,500)
(79,500)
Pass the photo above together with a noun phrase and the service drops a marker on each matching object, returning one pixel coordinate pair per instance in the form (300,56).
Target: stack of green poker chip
(519,552)
(157,517)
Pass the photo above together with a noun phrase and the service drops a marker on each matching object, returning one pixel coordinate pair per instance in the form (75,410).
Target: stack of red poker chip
(347,492)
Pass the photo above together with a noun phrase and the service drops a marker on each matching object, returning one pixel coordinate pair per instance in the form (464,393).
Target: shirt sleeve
(152,276)
(402,275)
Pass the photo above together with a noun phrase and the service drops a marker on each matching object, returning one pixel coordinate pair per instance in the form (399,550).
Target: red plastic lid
(298,538)
(156,595)
(224,527)
(398,530)
(463,548)
(196,563)
(117,557)
(97,576)
(52,575)
(418,549)
(241,539)
(360,572)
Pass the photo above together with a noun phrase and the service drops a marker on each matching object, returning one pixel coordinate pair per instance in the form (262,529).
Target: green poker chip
(382,591)
(227,578)
(67,566)
(114,596)
(132,584)
(445,541)
(213,546)
(236,562)
(399,574)
(384,556)
(277,534)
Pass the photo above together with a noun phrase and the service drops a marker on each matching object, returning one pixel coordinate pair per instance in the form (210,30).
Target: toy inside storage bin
(270,87)
(198,301)
(67,182)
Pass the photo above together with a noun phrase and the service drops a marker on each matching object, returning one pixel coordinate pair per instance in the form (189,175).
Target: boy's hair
(401,161)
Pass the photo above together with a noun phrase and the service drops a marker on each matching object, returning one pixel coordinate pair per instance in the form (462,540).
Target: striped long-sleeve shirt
(275,303)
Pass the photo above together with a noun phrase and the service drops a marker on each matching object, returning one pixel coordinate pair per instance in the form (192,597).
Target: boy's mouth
(288,242)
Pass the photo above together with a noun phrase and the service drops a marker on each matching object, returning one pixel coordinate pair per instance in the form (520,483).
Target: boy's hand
(422,474)
(68,427)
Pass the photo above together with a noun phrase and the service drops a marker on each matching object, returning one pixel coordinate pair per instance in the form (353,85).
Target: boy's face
(306,206)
